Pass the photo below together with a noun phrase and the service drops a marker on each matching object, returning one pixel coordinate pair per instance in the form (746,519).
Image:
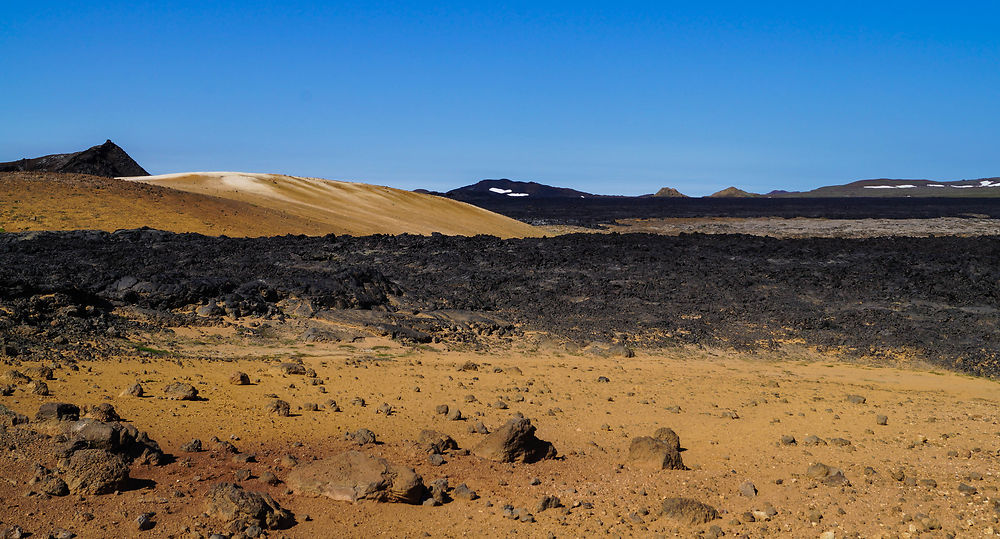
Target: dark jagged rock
(58,411)
(737,291)
(107,160)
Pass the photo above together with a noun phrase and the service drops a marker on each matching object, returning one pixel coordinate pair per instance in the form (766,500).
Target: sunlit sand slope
(347,207)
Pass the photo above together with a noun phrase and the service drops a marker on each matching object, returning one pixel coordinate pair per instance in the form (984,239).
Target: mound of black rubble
(935,297)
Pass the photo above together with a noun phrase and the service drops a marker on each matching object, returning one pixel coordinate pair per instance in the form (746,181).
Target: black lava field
(935,297)
(592,212)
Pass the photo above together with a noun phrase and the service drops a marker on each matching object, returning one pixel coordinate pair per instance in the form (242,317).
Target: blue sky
(607,97)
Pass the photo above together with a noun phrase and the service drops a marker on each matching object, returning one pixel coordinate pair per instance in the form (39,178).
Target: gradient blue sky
(608,97)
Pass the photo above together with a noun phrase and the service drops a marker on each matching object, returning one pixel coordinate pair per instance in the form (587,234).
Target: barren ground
(941,426)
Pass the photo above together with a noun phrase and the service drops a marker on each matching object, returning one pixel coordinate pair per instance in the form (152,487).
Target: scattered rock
(13,377)
(180,391)
(441,409)
(194,446)
(279,408)
(134,390)
(547,502)
(436,442)
(95,471)
(145,521)
(269,478)
(354,476)
(39,387)
(856,399)
(239,379)
(289,368)
(57,411)
(361,437)
(748,489)
(243,508)
(651,454)
(455,415)
(967,490)
(688,511)
(515,441)
(881,420)
(103,412)
(435,459)
(463,492)
(669,437)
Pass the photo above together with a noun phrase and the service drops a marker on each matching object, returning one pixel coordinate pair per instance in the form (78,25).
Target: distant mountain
(669,192)
(107,160)
(983,187)
(504,188)
(732,192)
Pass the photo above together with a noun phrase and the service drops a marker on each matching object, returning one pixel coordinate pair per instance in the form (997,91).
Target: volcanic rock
(354,476)
(58,411)
(95,471)
(436,442)
(688,511)
(180,391)
(515,441)
(107,160)
(242,508)
(651,454)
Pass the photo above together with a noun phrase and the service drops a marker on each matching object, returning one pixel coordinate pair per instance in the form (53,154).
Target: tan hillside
(56,201)
(346,207)
(733,192)
(669,192)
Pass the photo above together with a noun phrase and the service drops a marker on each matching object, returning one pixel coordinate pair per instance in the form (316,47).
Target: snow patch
(499,191)
(517,194)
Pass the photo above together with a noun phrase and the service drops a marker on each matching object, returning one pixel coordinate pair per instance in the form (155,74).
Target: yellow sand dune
(346,207)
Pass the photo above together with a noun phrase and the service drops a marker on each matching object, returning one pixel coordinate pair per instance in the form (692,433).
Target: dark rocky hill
(107,160)
(884,188)
(504,189)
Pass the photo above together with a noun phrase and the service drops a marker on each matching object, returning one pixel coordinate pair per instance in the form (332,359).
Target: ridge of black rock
(504,188)
(107,160)
(934,298)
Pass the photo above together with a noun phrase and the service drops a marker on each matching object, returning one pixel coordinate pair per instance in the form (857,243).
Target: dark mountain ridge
(107,160)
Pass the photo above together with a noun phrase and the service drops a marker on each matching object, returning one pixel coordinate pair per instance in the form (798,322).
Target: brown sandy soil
(812,228)
(730,412)
(52,201)
(347,207)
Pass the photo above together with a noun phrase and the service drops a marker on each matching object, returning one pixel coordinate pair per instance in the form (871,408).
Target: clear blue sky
(608,97)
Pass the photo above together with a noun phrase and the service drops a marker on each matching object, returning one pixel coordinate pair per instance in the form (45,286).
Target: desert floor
(729,410)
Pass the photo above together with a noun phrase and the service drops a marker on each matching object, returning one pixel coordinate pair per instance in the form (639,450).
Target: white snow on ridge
(517,194)
(889,186)
(499,191)
(962,186)
(933,185)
